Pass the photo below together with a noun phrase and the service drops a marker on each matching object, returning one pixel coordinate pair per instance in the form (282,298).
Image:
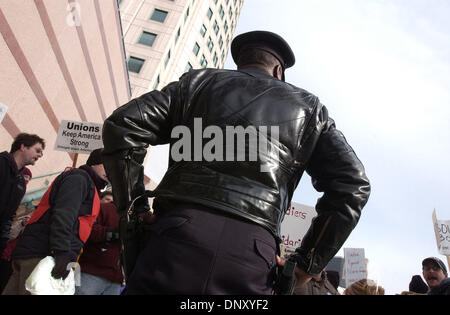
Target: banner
(442,232)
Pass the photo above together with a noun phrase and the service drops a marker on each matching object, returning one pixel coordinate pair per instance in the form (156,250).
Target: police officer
(220,204)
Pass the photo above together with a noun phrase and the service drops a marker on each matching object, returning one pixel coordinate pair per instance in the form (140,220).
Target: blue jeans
(94,285)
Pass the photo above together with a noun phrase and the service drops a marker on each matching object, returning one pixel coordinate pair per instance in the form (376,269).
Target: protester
(106,196)
(436,276)
(220,204)
(319,285)
(364,287)
(16,229)
(334,278)
(61,224)
(100,270)
(26,149)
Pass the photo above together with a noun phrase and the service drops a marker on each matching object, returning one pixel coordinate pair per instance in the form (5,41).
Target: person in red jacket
(100,271)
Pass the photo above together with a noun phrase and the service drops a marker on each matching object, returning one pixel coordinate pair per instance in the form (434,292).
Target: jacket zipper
(310,255)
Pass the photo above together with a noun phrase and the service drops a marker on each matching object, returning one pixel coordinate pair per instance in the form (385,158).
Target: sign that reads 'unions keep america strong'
(79,137)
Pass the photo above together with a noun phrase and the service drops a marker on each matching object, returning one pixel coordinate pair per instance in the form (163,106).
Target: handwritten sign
(3,110)
(296,223)
(354,265)
(442,232)
(78,137)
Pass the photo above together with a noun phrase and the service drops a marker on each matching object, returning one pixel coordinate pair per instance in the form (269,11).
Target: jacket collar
(256,72)
(11,162)
(99,183)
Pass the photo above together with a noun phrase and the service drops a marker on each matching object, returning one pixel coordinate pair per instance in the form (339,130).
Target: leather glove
(61,269)
(112,234)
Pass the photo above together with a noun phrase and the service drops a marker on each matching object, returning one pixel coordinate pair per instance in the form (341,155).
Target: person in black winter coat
(25,150)
(61,224)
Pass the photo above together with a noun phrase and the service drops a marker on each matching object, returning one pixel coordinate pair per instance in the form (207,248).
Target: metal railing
(37,193)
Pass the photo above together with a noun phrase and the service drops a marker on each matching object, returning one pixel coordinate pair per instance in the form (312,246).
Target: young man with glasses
(435,274)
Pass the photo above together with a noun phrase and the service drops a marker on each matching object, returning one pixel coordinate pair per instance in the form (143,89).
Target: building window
(167,59)
(186,15)
(147,38)
(225,27)
(135,64)
(209,14)
(196,49)
(210,44)
(188,67)
(230,13)
(216,27)
(215,59)
(203,30)
(221,12)
(156,83)
(203,62)
(178,35)
(159,15)
(223,56)
(220,41)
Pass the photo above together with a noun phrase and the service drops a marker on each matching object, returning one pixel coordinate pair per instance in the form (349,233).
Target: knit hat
(95,157)
(437,261)
(333,277)
(417,285)
(364,287)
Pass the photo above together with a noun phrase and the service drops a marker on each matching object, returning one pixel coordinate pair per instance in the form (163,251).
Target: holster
(133,236)
(286,279)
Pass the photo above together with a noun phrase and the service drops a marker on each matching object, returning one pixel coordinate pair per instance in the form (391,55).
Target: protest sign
(442,232)
(3,110)
(79,137)
(296,223)
(355,267)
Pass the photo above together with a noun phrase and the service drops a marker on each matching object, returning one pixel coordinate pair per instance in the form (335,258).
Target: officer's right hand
(301,275)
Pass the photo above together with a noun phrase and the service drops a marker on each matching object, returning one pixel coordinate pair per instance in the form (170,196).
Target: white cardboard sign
(295,225)
(355,267)
(442,231)
(79,137)
(3,110)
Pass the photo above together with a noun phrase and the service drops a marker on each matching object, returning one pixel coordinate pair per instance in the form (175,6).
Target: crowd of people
(98,254)
(215,228)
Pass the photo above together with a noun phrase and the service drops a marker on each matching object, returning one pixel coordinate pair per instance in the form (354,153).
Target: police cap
(267,41)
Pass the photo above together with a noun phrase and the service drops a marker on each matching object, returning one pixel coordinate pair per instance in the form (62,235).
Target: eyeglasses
(428,268)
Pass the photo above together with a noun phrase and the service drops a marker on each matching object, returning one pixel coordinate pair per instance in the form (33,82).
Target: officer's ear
(278,72)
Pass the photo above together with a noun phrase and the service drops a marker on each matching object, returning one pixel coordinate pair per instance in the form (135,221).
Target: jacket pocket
(266,252)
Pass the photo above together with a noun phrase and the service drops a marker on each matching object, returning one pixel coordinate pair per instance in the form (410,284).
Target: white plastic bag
(41,282)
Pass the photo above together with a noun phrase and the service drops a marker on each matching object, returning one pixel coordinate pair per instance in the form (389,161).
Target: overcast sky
(382,68)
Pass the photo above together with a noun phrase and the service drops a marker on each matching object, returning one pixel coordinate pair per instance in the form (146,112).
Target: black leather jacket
(261,190)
